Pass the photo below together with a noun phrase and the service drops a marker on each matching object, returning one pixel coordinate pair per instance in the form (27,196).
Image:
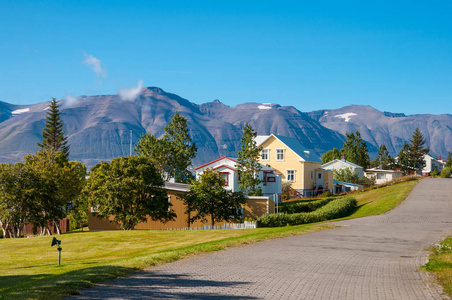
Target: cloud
(70,100)
(132,93)
(94,64)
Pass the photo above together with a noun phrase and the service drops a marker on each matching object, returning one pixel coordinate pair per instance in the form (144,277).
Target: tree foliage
(129,190)
(248,166)
(355,150)
(208,198)
(331,155)
(383,160)
(449,160)
(345,175)
(417,150)
(173,153)
(53,138)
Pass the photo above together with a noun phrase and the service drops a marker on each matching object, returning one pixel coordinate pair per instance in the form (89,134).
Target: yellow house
(296,164)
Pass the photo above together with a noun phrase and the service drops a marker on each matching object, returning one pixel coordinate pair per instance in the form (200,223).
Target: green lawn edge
(53,282)
(440,264)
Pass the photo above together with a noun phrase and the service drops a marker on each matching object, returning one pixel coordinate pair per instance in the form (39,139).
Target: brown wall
(254,208)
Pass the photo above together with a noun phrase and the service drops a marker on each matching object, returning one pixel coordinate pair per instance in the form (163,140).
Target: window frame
(288,176)
(267,152)
(227,178)
(283,154)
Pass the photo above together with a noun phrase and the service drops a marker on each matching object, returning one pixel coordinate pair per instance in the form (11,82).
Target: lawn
(28,267)
(440,263)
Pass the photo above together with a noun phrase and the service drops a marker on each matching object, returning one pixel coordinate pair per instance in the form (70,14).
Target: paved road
(368,258)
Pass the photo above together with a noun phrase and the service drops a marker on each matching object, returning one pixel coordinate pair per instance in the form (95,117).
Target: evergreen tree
(53,138)
(172,154)
(449,160)
(383,159)
(355,150)
(417,150)
(331,155)
(248,166)
(403,160)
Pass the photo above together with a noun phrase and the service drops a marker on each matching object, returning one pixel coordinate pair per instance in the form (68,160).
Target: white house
(338,164)
(226,166)
(431,164)
(382,176)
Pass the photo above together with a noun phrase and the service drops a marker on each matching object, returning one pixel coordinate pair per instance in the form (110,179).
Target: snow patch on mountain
(20,111)
(345,116)
(265,106)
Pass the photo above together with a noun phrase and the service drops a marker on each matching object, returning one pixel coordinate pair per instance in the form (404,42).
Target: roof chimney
(307,153)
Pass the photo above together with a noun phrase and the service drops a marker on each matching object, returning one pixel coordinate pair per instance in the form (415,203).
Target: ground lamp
(57,242)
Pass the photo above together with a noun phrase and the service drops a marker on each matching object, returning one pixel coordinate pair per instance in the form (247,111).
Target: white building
(338,164)
(226,166)
(431,164)
(382,176)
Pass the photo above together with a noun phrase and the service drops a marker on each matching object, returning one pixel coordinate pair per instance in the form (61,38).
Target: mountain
(390,129)
(98,127)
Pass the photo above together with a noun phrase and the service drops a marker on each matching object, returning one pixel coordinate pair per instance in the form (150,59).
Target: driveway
(369,258)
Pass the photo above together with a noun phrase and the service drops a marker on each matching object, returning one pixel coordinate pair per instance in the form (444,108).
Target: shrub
(445,173)
(434,173)
(300,206)
(334,209)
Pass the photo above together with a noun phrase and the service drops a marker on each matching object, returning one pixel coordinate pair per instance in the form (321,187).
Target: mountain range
(101,127)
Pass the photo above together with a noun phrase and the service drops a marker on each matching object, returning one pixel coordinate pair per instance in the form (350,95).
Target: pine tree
(417,150)
(248,166)
(449,160)
(383,159)
(355,150)
(53,138)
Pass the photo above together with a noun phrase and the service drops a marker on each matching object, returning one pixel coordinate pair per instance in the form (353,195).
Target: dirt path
(368,258)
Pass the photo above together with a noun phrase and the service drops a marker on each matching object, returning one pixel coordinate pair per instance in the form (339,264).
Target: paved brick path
(368,258)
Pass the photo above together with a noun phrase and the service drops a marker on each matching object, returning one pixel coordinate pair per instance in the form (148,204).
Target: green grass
(29,270)
(378,201)
(440,263)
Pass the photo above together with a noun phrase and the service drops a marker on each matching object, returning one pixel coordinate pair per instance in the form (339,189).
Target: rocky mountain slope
(98,127)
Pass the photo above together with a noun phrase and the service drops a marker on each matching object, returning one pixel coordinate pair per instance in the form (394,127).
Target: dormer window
(280,154)
(264,154)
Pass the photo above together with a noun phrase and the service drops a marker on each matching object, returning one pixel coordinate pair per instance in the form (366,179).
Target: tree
(172,154)
(355,150)
(403,160)
(22,194)
(248,166)
(68,178)
(383,159)
(53,138)
(417,150)
(208,197)
(449,160)
(129,190)
(331,155)
(345,175)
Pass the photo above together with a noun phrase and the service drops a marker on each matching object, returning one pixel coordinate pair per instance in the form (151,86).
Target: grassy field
(28,267)
(440,263)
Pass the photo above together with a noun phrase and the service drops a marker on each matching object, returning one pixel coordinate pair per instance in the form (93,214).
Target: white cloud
(70,100)
(132,93)
(94,64)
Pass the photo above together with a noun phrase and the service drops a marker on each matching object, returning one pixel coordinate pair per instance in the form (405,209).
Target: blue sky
(395,56)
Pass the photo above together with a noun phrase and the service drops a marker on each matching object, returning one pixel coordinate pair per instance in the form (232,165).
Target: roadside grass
(381,200)
(29,267)
(29,270)
(440,263)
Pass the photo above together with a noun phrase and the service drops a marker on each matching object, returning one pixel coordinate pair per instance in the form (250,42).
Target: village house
(338,164)
(431,164)
(382,176)
(296,164)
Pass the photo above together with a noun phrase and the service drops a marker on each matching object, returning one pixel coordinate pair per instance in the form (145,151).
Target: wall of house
(254,208)
(291,161)
(342,165)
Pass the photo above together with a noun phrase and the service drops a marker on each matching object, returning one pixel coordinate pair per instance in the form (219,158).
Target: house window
(169,202)
(271,179)
(265,178)
(381,176)
(291,175)
(225,176)
(264,154)
(319,176)
(280,154)
(312,175)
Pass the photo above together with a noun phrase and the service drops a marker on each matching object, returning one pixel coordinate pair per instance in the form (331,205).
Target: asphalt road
(369,258)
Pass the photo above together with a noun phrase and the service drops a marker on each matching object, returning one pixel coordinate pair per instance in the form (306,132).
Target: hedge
(338,208)
(294,207)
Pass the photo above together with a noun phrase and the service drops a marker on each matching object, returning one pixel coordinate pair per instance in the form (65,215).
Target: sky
(393,55)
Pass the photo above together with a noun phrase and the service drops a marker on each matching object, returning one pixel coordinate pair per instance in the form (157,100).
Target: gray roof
(181,187)
(344,161)
(294,145)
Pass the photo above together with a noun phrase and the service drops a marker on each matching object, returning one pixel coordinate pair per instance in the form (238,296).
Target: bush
(434,173)
(300,206)
(445,173)
(335,209)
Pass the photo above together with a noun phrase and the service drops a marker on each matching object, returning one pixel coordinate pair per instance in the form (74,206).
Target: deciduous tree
(331,155)
(208,198)
(129,190)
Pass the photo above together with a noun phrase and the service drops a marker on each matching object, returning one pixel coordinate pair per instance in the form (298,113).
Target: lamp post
(57,242)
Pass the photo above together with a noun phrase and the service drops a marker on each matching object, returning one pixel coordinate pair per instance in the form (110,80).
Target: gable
(290,144)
